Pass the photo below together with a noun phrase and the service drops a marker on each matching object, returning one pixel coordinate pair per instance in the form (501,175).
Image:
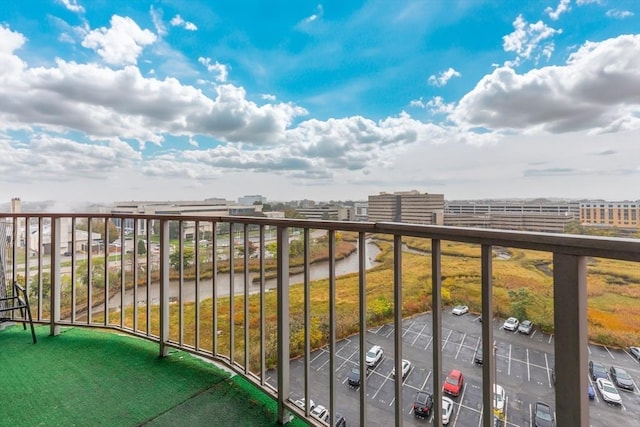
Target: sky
(112,100)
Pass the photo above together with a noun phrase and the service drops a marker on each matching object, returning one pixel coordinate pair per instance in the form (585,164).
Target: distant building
(327,212)
(625,214)
(361,211)
(408,206)
(252,200)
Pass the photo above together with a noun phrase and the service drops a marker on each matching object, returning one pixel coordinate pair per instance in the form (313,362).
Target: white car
(499,398)
(319,411)
(300,404)
(447,410)
(459,310)
(406,367)
(608,391)
(374,355)
(511,324)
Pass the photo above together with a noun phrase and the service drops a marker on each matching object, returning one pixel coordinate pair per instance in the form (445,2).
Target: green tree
(188,256)
(142,247)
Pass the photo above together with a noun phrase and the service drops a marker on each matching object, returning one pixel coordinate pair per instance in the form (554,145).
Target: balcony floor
(96,377)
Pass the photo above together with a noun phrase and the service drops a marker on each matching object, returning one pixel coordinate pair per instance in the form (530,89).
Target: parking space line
(534,332)
(550,336)
(418,335)
(509,368)
(589,348)
(528,369)
(380,388)
(408,329)
(464,388)
(546,362)
(530,416)
(390,332)
(322,350)
(427,346)
(446,339)
(480,421)
(375,331)
(460,347)
(425,381)
(348,359)
(605,347)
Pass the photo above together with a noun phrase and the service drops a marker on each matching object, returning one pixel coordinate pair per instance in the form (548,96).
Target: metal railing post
(436,313)
(164,287)
(570,322)
(488,359)
(283,322)
(55,277)
(397,325)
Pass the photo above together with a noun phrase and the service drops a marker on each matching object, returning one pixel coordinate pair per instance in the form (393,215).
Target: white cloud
(436,105)
(217,67)
(583,2)
(563,6)
(72,5)
(598,90)
(120,44)
(268,97)
(10,41)
(443,78)
(528,41)
(177,21)
(316,16)
(619,14)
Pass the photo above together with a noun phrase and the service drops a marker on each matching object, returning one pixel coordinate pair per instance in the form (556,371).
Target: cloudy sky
(107,100)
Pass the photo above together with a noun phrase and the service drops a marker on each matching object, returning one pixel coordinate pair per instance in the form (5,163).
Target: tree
(97,226)
(142,247)
(188,256)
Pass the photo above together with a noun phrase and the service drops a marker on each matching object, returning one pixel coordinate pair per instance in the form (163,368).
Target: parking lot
(523,367)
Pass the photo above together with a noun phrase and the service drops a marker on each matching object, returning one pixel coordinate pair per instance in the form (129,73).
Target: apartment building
(625,214)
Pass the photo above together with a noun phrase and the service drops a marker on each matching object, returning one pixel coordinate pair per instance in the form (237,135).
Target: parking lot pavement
(523,368)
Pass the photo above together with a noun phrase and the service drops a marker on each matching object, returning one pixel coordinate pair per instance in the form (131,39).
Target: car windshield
(608,388)
(599,368)
(371,354)
(452,380)
(544,414)
(497,397)
(355,371)
(421,398)
(622,375)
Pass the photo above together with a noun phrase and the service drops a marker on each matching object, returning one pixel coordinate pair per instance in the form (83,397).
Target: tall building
(407,206)
(251,200)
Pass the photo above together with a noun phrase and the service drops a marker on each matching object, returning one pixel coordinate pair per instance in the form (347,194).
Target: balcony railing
(77,275)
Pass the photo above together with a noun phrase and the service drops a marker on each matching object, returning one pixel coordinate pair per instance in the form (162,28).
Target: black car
(597,370)
(543,415)
(354,377)
(620,377)
(423,405)
(477,358)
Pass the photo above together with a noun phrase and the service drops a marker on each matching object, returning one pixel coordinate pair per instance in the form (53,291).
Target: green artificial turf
(90,377)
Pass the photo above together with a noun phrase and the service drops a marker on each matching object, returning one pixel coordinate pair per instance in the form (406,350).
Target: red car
(453,383)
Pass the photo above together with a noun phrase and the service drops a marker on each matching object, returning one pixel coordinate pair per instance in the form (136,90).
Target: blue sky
(119,100)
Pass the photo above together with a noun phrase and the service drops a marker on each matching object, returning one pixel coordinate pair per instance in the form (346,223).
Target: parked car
(447,410)
(353,379)
(406,367)
(300,403)
(543,415)
(499,398)
(591,391)
(423,404)
(477,357)
(620,377)
(597,370)
(374,356)
(459,310)
(319,412)
(526,327)
(608,392)
(340,421)
(453,383)
(635,352)
(511,324)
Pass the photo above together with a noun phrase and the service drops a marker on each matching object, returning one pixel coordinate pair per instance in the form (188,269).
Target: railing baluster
(106,271)
(232,279)
(123,251)
(148,282)
(332,326)
(246,298)
(164,287)
(136,264)
(307,319)
(214,290)
(263,367)
(89,269)
(397,325)
(436,328)
(55,278)
(196,308)
(362,296)
(73,270)
(488,349)
(283,322)
(570,341)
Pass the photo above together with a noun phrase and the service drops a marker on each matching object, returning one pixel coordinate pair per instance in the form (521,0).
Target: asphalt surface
(523,368)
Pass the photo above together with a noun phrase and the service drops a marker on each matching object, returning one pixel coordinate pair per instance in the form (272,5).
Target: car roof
(455,373)
(375,348)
